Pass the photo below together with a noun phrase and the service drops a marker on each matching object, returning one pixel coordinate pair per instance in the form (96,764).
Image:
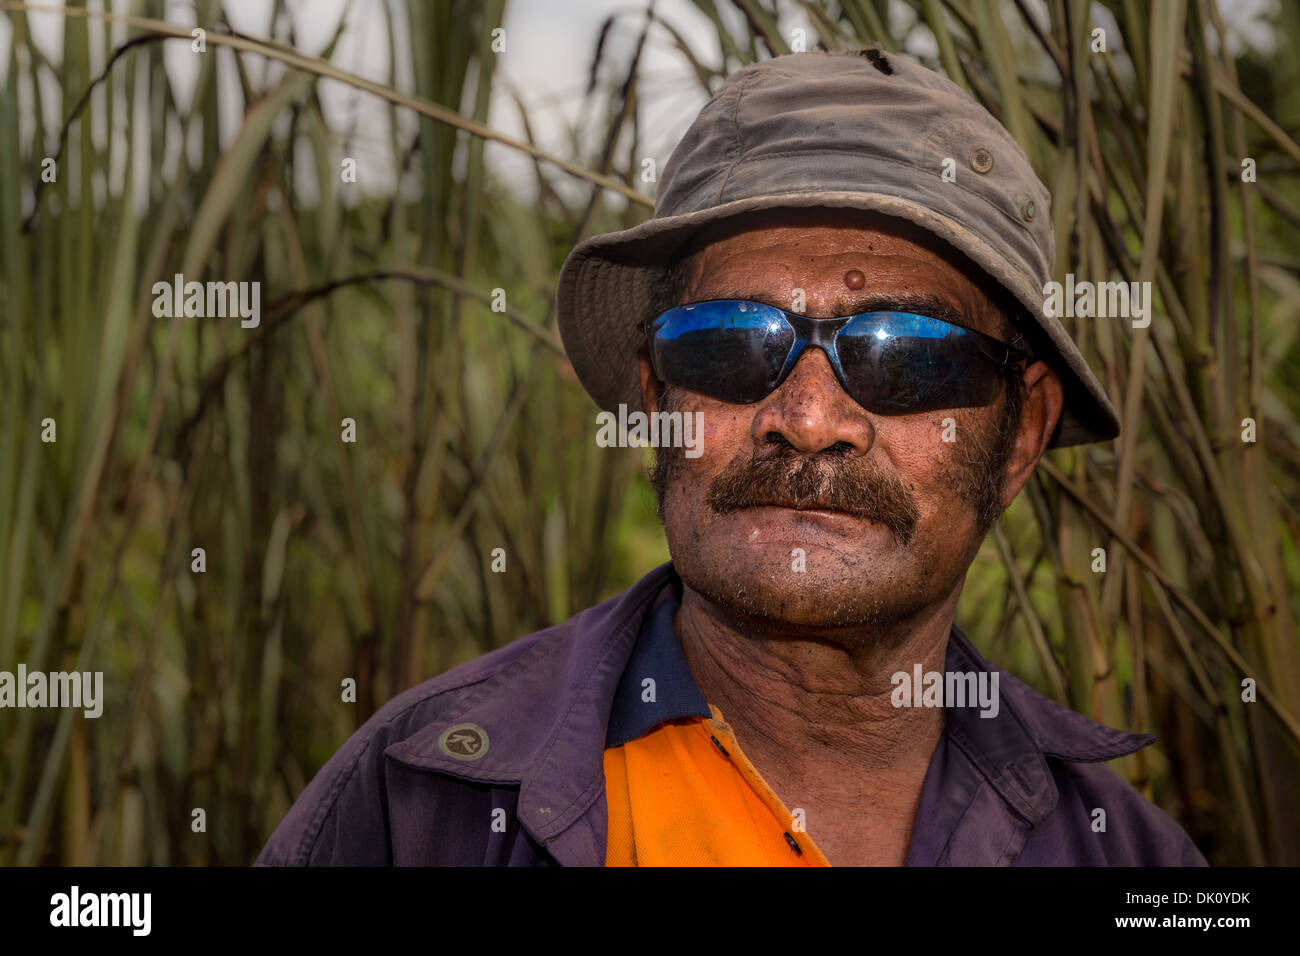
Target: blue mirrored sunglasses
(890,363)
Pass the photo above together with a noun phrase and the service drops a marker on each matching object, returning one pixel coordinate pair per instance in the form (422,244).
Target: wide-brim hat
(866,131)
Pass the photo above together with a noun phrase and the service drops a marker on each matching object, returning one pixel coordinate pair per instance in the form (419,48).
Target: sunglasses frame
(824,333)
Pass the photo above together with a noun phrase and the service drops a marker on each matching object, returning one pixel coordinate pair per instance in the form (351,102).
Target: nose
(813,413)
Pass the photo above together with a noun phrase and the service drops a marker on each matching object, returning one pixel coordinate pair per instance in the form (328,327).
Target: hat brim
(607,279)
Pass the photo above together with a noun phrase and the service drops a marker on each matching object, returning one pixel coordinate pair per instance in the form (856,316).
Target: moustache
(829,481)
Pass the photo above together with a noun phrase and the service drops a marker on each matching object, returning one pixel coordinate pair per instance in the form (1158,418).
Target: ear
(650,384)
(1044,400)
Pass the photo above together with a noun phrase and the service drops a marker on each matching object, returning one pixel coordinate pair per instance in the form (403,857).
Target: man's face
(887,514)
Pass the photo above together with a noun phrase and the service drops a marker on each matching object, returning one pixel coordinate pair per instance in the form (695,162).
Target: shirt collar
(1009,750)
(657,684)
(548,705)
(544,702)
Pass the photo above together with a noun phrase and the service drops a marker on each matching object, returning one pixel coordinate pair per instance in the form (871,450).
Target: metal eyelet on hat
(1027,208)
(981,159)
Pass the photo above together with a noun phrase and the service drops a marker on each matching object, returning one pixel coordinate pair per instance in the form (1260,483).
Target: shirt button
(981,160)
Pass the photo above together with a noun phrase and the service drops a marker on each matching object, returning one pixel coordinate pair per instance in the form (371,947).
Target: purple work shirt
(500,762)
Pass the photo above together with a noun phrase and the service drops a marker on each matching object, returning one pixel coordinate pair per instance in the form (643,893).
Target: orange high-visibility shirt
(685,794)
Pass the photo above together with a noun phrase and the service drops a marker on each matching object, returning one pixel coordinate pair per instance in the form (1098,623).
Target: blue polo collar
(657,684)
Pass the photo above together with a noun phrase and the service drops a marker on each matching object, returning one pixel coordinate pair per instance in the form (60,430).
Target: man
(842,283)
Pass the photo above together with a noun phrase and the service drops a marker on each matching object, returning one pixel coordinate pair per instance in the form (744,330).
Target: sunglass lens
(730,350)
(897,363)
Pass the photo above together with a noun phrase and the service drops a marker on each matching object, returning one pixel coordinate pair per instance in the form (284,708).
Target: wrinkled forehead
(840,261)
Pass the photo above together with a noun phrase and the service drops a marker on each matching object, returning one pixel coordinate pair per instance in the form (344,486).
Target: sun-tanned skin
(800,662)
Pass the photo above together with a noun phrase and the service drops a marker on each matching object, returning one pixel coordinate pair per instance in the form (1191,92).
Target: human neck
(813,703)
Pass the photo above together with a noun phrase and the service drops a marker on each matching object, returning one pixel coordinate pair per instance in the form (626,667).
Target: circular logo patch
(464,741)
